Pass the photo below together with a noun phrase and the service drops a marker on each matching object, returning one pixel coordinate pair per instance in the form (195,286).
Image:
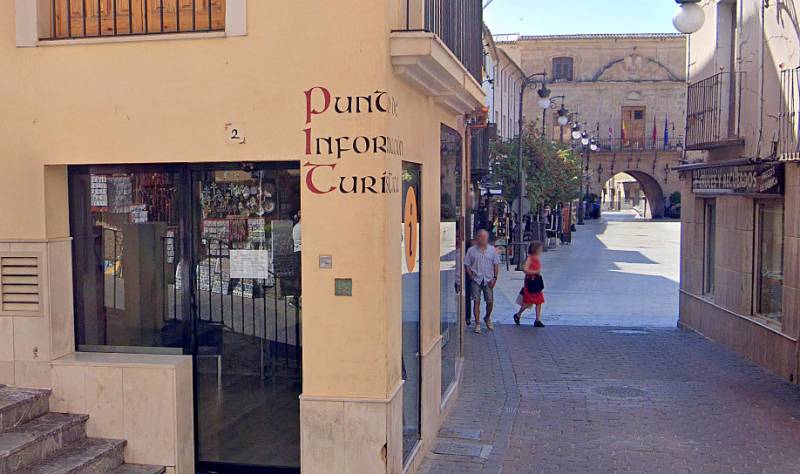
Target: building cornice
(605,36)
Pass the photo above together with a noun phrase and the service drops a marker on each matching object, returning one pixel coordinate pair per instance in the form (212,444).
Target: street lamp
(576,131)
(689,17)
(544,94)
(563,118)
(544,103)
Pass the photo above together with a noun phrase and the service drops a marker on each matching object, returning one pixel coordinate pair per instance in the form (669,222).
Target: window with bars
(72,19)
(562,69)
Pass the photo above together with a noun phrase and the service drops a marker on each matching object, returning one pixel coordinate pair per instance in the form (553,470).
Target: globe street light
(563,120)
(689,17)
(544,97)
(576,131)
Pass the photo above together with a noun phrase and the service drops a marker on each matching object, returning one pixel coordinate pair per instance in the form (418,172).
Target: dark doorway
(246,234)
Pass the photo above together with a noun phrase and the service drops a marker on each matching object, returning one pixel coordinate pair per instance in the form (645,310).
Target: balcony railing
(713,112)
(788,143)
(636,145)
(73,19)
(458,23)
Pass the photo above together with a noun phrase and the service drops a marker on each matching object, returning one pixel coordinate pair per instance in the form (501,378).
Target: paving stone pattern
(595,399)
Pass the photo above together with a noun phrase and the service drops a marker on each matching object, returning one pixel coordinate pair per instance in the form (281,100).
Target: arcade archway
(634,188)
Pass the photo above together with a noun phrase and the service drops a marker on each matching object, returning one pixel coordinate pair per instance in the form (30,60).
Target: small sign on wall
(343,287)
(234,133)
(326,262)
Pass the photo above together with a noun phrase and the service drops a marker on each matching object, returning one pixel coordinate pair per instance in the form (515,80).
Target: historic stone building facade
(628,92)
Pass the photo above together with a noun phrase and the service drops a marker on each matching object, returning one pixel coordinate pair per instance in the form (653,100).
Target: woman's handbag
(534,284)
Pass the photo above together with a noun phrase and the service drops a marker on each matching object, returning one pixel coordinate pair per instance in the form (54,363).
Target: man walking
(482,264)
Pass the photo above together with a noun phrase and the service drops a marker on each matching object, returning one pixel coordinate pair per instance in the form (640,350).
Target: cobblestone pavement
(597,399)
(610,385)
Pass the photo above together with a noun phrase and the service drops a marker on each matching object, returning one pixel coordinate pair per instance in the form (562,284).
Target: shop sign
(322,177)
(746,179)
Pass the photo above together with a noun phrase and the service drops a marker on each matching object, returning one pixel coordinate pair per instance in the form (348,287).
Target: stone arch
(652,191)
(634,67)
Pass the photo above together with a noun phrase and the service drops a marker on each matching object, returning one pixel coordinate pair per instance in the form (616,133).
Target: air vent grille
(20,284)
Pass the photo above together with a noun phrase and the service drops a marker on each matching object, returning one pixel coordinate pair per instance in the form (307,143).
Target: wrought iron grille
(643,144)
(713,112)
(788,144)
(71,19)
(459,24)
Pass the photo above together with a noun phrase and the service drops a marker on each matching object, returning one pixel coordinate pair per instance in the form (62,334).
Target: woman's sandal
(516,319)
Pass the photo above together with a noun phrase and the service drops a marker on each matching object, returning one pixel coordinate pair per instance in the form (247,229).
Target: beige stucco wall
(168,101)
(503,79)
(767,39)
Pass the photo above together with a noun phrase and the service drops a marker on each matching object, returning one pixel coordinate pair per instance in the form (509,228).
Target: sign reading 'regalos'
(765,178)
(320,176)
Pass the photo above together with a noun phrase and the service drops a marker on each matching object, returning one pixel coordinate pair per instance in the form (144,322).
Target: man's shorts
(476,289)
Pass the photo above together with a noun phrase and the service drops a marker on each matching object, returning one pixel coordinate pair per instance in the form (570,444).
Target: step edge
(117,444)
(35,395)
(69,423)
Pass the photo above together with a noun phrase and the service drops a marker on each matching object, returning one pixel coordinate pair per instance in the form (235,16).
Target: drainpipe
(761,80)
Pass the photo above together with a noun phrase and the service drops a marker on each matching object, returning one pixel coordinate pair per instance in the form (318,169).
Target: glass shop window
(126,258)
(769,263)
(450,267)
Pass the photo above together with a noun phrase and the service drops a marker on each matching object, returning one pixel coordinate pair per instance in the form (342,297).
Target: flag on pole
(666,131)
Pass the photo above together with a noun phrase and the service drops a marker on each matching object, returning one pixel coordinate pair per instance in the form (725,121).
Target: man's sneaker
(538,324)
(477,329)
(489,324)
(469,322)
(516,319)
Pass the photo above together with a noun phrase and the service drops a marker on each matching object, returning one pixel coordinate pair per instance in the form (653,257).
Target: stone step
(86,456)
(35,440)
(138,469)
(20,405)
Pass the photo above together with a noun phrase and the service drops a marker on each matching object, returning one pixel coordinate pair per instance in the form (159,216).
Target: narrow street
(611,385)
(619,271)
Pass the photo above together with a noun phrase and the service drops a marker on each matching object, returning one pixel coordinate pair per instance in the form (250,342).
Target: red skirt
(532,298)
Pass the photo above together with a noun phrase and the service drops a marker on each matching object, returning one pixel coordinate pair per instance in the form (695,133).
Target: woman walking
(532,293)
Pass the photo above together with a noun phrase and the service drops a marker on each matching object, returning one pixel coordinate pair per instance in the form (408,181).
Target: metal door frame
(189,220)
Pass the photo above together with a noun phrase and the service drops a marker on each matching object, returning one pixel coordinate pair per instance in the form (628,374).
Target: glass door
(450,251)
(411,233)
(247,311)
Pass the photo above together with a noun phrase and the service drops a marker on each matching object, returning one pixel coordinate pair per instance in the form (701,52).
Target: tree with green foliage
(552,170)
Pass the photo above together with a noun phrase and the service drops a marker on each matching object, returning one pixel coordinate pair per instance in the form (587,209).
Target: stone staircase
(35,441)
